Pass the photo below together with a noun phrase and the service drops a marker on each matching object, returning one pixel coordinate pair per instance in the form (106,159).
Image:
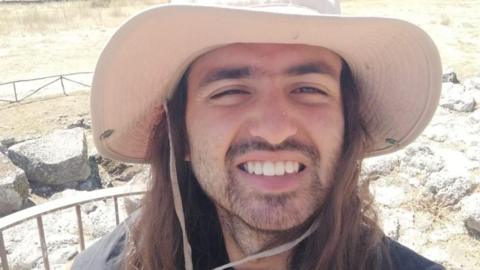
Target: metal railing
(38,211)
(54,78)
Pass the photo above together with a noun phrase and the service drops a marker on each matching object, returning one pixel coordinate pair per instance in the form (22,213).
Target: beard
(267,212)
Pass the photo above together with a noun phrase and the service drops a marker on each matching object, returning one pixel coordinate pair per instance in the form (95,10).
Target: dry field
(62,37)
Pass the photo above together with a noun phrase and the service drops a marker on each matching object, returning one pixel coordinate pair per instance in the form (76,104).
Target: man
(255,121)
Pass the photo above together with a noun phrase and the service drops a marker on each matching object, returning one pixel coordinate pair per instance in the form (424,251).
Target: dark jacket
(107,254)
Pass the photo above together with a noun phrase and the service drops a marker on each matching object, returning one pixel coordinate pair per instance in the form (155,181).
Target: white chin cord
(272,251)
(177,201)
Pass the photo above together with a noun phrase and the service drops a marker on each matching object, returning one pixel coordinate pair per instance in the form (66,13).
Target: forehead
(267,58)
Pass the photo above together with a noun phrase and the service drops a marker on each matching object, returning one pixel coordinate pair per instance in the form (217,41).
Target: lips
(271,168)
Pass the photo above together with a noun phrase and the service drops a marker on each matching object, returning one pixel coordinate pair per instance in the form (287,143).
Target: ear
(187,157)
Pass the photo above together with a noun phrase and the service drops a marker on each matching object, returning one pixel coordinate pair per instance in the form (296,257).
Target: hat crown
(319,6)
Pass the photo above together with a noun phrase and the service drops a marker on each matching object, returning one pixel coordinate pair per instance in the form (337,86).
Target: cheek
(326,126)
(211,132)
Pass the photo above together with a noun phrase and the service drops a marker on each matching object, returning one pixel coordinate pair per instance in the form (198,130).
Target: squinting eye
(309,90)
(229,92)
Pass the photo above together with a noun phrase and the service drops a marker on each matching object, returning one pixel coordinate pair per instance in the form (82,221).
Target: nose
(272,122)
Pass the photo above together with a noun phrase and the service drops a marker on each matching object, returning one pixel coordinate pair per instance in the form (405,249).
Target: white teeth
(258,168)
(289,167)
(270,168)
(250,167)
(279,168)
(296,166)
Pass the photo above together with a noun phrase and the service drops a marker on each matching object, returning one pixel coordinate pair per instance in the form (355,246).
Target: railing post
(3,253)
(117,219)
(63,86)
(15,92)
(43,244)
(80,227)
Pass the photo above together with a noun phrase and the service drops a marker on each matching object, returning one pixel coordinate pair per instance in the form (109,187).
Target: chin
(274,213)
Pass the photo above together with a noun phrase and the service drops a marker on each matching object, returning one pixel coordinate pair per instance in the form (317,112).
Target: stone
(450,77)
(392,196)
(391,228)
(472,85)
(79,123)
(456,162)
(56,159)
(448,189)
(93,181)
(454,97)
(470,212)
(62,255)
(13,187)
(3,149)
(374,167)
(437,254)
(138,182)
(419,158)
(473,153)
(7,142)
(474,118)
(436,133)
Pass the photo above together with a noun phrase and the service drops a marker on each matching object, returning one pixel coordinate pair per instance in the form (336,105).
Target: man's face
(265,129)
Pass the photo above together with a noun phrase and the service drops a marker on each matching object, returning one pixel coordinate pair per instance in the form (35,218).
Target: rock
(450,77)
(3,149)
(79,123)
(7,142)
(470,212)
(437,254)
(62,255)
(56,159)
(391,228)
(375,167)
(13,187)
(391,196)
(456,162)
(473,153)
(436,133)
(454,97)
(448,189)
(474,118)
(93,181)
(138,182)
(418,159)
(472,85)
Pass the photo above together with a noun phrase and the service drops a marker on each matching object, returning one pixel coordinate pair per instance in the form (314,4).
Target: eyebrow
(226,73)
(247,71)
(308,68)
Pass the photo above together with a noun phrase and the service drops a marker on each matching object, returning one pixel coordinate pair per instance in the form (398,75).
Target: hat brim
(395,64)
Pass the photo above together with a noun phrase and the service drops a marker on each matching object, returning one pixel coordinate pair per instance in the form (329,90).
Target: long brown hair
(348,236)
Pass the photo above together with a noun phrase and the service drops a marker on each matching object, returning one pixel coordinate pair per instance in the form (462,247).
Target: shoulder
(404,258)
(108,252)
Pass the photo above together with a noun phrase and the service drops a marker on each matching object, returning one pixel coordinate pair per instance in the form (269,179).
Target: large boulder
(13,186)
(454,97)
(56,159)
(449,189)
(471,213)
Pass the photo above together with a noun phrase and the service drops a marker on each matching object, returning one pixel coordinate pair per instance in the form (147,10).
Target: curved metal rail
(36,212)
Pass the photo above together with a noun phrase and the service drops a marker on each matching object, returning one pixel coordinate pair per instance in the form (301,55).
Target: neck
(241,240)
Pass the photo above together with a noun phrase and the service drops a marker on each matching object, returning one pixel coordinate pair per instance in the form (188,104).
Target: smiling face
(265,128)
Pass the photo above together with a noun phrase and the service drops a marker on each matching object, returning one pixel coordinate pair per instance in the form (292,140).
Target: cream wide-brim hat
(395,65)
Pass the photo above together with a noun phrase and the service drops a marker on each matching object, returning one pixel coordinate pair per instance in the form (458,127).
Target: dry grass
(68,15)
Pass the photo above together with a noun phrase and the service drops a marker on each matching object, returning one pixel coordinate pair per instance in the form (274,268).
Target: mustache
(245,146)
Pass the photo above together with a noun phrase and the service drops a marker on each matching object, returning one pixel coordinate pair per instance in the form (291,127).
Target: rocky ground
(427,195)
